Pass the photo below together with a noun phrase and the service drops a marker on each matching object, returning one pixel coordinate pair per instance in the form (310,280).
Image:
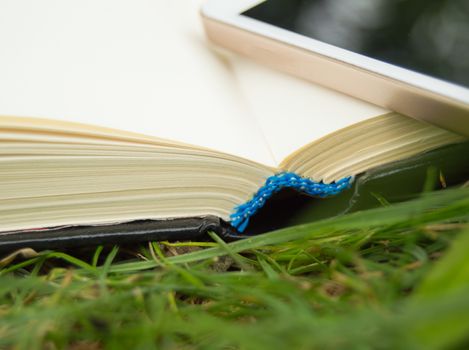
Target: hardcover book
(120,117)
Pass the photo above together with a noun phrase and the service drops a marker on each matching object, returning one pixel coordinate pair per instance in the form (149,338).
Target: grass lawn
(396,277)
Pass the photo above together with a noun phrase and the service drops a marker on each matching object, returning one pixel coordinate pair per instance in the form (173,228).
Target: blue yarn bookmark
(240,218)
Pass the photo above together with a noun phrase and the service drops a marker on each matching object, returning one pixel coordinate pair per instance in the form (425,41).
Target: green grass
(396,277)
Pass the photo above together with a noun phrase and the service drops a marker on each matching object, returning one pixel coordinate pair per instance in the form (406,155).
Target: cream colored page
(142,66)
(292,112)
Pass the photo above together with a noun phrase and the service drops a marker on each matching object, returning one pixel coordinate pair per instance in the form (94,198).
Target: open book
(116,111)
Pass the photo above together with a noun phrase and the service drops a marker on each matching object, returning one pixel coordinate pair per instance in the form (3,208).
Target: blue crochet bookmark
(240,218)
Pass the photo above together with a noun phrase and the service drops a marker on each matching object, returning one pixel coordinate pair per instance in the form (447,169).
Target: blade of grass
(447,280)
(430,208)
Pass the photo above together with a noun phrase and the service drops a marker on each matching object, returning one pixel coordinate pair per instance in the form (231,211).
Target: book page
(142,66)
(292,112)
